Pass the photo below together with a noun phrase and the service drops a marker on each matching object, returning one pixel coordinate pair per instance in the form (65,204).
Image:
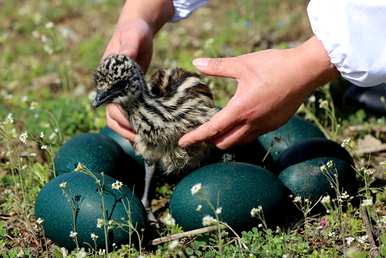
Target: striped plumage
(172,103)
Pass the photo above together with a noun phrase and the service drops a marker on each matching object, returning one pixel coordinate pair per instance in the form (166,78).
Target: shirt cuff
(354,37)
(184,8)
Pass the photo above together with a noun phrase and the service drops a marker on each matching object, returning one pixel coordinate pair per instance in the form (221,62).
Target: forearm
(155,12)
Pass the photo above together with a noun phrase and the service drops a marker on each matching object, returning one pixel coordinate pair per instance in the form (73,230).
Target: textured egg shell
(98,153)
(311,149)
(305,179)
(56,206)
(124,143)
(235,187)
(295,130)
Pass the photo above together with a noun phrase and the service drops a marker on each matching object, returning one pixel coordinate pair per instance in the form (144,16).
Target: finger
(111,48)
(128,134)
(115,112)
(232,137)
(222,67)
(220,122)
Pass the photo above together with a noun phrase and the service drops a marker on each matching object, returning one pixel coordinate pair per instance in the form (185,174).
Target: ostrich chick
(171,104)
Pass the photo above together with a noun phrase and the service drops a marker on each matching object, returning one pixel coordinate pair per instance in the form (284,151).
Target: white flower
(101,252)
(73,234)
(52,136)
(312,99)
(100,223)
(173,245)
(168,220)
(35,34)
(362,239)
(81,253)
(49,25)
(48,49)
(93,236)
(218,210)
(117,185)
(323,104)
(64,252)
(344,195)
(346,143)
(40,221)
(297,199)
(33,105)
(9,119)
(63,185)
(256,211)
(208,220)
(23,137)
(260,225)
(199,207)
(369,171)
(367,202)
(326,200)
(110,224)
(79,167)
(44,147)
(196,188)
(41,135)
(323,168)
(349,240)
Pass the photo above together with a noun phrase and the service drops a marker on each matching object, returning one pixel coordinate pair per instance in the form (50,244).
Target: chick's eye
(121,84)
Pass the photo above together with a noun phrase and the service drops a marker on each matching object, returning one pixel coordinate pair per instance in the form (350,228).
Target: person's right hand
(135,39)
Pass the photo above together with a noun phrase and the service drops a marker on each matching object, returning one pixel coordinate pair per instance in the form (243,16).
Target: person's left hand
(271,85)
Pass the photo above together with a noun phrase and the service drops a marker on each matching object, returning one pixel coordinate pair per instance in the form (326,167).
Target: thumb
(222,67)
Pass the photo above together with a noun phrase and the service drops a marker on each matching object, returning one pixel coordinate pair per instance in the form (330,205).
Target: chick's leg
(149,172)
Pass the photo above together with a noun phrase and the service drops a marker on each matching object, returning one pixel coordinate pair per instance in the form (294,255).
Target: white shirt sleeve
(183,8)
(354,34)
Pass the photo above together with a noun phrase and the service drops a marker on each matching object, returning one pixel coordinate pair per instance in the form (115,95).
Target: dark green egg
(305,179)
(233,186)
(311,149)
(124,143)
(98,153)
(295,130)
(79,204)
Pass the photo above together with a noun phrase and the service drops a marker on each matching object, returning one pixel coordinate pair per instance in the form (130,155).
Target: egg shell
(124,143)
(295,130)
(311,149)
(305,179)
(80,201)
(233,186)
(98,153)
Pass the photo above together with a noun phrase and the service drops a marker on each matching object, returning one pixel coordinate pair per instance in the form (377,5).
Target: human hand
(134,39)
(271,85)
(133,36)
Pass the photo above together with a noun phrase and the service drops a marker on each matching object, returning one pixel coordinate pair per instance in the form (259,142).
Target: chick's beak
(101,98)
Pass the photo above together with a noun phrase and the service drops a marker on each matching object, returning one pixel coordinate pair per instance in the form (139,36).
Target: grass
(48,50)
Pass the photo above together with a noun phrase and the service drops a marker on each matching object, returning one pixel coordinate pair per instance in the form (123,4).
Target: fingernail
(201,62)
(183,144)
